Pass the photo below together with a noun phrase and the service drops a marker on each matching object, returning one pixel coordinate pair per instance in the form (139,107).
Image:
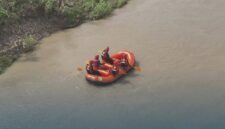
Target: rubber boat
(105,76)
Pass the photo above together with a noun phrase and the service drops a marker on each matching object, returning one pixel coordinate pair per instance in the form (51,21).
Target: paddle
(137,68)
(79,69)
(82,68)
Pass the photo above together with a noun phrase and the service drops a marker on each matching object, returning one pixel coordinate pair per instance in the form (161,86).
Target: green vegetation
(89,5)
(97,8)
(68,12)
(73,15)
(49,5)
(101,9)
(71,10)
(3,15)
(28,43)
(120,3)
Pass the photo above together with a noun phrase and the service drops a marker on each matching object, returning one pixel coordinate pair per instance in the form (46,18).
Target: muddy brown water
(180,46)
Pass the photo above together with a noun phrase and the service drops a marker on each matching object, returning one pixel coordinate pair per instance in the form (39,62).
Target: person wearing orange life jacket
(106,57)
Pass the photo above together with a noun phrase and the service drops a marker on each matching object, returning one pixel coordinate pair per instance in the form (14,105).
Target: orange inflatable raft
(105,76)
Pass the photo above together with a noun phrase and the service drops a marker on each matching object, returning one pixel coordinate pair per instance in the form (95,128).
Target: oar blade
(138,68)
(79,69)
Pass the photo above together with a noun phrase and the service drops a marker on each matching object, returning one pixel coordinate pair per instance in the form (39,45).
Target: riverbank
(178,43)
(24,24)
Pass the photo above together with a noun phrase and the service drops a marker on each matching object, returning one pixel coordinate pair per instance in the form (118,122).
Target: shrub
(72,14)
(120,3)
(3,15)
(101,9)
(28,43)
(89,5)
(3,12)
(49,5)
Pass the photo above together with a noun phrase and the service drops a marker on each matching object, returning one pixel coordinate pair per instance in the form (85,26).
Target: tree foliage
(70,9)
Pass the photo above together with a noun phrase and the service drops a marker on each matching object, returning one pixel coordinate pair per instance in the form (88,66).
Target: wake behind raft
(105,73)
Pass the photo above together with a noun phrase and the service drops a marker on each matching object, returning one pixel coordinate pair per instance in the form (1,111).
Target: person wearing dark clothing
(91,68)
(106,57)
(123,62)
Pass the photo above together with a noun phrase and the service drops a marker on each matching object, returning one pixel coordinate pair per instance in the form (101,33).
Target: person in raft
(106,57)
(124,62)
(97,61)
(91,68)
(115,68)
(96,64)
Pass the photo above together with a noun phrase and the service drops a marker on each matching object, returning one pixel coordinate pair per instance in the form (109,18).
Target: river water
(179,44)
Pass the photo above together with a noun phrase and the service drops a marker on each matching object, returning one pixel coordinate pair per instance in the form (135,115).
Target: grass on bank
(28,43)
(120,3)
(101,9)
(72,11)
